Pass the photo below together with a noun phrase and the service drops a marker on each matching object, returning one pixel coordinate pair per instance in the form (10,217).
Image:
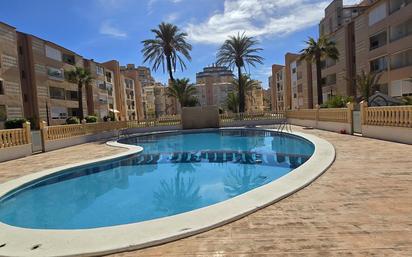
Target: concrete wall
(15,152)
(396,134)
(200,117)
(325,125)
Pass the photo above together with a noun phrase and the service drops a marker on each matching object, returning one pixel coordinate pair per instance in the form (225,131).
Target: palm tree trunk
(319,78)
(80,95)
(169,68)
(241,91)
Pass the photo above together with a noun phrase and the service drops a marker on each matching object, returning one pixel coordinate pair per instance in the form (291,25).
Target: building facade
(213,84)
(11,102)
(47,95)
(383,39)
(277,87)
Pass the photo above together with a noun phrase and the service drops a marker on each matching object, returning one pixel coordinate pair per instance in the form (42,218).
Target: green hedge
(14,123)
(72,120)
(91,119)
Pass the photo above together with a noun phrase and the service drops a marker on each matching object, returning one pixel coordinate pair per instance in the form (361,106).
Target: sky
(113,29)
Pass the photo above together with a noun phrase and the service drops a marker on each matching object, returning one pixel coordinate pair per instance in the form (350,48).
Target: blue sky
(113,29)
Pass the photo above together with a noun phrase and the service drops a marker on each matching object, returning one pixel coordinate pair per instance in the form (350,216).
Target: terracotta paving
(362,206)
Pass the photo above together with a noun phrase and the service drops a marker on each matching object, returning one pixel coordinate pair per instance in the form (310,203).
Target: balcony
(395,5)
(401,60)
(378,40)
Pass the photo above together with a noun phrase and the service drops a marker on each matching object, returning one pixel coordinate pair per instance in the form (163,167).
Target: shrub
(72,120)
(14,123)
(91,119)
(337,102)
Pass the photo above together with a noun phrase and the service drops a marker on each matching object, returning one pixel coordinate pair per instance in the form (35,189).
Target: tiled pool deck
(361,206)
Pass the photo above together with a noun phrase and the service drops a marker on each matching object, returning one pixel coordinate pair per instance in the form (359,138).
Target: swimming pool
(277,166)
(175,173)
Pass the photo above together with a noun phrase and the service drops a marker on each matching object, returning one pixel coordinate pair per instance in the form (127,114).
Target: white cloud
(261,18)
(107,28)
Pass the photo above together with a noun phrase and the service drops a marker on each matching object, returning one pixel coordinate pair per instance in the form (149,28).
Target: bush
(337,102)
(72,120)
(14,123)
(91,119)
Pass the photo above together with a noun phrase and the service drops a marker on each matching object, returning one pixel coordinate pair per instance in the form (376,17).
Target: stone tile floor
(361,206)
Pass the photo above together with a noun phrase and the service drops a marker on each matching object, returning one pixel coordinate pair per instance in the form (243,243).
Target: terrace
(360,206)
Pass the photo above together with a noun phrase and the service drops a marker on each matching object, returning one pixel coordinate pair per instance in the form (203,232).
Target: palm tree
(168,45)
(183,92)
(82,77)
(239,51)
(367,83)
(232,102)
(314,52)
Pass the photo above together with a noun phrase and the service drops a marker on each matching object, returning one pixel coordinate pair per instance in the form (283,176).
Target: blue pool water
(175,173)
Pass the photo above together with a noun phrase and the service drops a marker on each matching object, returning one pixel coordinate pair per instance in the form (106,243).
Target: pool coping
(105,240)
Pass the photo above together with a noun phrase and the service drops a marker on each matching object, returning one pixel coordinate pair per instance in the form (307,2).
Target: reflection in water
(178,194)
(239,181)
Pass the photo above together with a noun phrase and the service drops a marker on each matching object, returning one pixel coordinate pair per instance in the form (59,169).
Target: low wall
(14,152)
(396,134)
(325,125)
(51,145)
(241,123)
(200,117)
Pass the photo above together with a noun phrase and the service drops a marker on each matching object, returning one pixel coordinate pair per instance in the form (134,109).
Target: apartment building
(101,93)
(277,87)
(135,74)
(254,99)
(213,84)
(11,104)
(383,39)
(47,95)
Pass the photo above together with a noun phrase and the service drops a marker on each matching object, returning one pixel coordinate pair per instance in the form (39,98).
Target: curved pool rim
(105,240)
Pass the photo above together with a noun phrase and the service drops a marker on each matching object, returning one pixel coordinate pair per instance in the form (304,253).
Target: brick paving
(362,206)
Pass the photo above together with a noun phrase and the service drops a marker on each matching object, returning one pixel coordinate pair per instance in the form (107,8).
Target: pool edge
(154,232)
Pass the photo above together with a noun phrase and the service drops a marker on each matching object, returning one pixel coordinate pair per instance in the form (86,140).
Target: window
(58,113)
(395,5)
(300,88)
(109,88)
(377,14)
(100,84)
(69,58)
(73,112)
(402,30)
(329,80)
(402,59)
(57,93)
(55,73)
(294,70)
(72,95)
(53,53)
(1,87)
(299,76)
(3,113)
(109,77)
(377,40)
(378,65)
(401,88)
(99,70)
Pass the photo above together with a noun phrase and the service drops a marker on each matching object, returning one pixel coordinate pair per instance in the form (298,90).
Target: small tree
(183,92)
(81,77)
(367,83)
(232,102)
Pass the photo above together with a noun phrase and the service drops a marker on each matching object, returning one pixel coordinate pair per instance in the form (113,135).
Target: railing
(395,116)
(256,116)
(343,115)
(68,131)
(304,114)
(15,137)
(334,115)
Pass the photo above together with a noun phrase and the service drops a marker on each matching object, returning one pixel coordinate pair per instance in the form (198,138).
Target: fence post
(43,135)
(27,131)
(363,112)
(84,127)
(317,107)
(350,107)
